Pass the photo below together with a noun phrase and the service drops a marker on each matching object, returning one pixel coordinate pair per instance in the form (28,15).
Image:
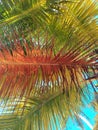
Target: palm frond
(42,80)
(46,59)
(56,107)
(22,14)
(38,69)
(14,8)
(75,25)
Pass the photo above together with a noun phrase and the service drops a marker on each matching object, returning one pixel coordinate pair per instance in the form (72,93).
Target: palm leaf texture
(48,54)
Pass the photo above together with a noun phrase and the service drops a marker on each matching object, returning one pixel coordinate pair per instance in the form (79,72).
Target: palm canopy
(47,56)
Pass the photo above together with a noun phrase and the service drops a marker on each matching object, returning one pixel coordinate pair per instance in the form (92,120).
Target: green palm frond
(15,10)
(76,24)
(22,14)
(40,113)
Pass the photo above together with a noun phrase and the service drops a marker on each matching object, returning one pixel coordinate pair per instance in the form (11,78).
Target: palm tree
(47,55)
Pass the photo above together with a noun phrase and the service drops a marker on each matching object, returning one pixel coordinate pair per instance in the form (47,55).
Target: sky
(89,121)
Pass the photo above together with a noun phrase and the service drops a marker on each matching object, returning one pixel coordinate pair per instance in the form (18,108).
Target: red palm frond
(25,68)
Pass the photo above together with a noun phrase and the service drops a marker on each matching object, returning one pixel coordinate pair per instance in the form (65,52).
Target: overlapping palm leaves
(47,54)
